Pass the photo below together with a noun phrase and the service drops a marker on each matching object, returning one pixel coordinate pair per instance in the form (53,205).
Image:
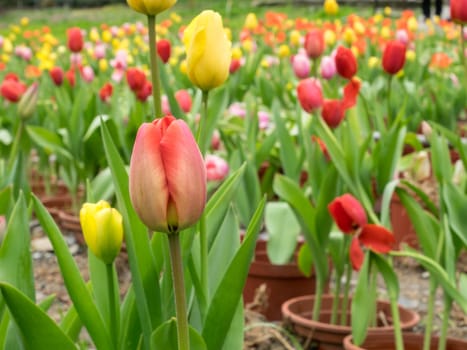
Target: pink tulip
(87,74)
(328,67)
(216,168)
(309,94)
(263,120)
(301,66)
(184,100)
(402,36)
(167,176)
(165,105)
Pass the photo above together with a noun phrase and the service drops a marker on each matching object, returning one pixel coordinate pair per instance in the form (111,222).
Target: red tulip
(12,90)
(235,65)
(70,76)
(394,57)
(347,213)
(309,94)
(135,78)
(57,74)
(351,91)
(322,146)
(145,91)
(75,39)
(167,176)
(184,100)
(459,11)
(346,63)
(105,92)
(163,49)
(374,237)
(314,43)
(333,112)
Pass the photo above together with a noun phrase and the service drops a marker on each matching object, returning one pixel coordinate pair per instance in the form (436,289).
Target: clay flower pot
(412,341)
(297,316)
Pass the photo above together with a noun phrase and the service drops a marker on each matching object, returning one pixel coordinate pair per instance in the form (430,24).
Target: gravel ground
(413,281)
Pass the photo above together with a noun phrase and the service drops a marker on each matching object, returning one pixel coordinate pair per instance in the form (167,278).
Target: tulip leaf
(71,323)
(130,330)
(440,159)
(5,199)
(389,276)
(38,330)
(169,92)
(456,205)
(48,140)
(305,260)
(142,267)
(165,337)
(224,302)
(15,257)
(386,202)
(220,201)
(74,282)
(283,230)
(95,124)
(102,185)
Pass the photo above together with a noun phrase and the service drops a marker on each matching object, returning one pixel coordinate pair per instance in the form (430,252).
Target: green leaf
(5,199)
(130,328)
(74,283)
(38,330)
(389,276)
(305,260)
(225,300)
(456,205)
(48,140)
(386,202)
(142,267)
(283,230)
(71,324)
(95,124)
(102,185)
(165,337)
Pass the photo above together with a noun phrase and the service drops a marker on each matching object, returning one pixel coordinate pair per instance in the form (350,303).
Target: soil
(259,334)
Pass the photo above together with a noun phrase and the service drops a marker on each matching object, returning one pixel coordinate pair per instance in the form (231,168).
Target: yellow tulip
(150,7)
(106,36)
(183,67)
(349,36)
(175,17)
(359,27)
(237,53)
(385,32)
(329,37)
(331,7)
(208,51)
(102,229)
(103,65)
(387,11)
(251,22)
(412,24)
(295,37)
(410,55)
(24,21)
(373,62)
(284,51)
(248,45)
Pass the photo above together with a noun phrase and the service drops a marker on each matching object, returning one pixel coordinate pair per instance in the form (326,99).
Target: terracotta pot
(297,316)
(280,283)
(70,222)
(412,341)
(55,204)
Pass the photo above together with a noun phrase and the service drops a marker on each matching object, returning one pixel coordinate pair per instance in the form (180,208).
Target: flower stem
(389,120)
(112,304)
(445,323)
(156,87)
(318,296)
(335,299)
(200,137)
(179,290)
(345,300)
(463,60)
(396,322)
(15,147)
(429,316)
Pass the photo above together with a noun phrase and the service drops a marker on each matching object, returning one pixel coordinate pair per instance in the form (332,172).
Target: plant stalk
(389,119)
(318,296)
(396,322)
(429,316)
(200,137)
(15,147)
(445,323)
(112,304)
(335,299)
(179,290)
(156,86)
(345,299)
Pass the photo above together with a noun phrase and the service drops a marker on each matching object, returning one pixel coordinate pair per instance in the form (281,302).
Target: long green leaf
(74,282)
(48,140)
(39,331)
(456,205)
(225,300)
(165,337)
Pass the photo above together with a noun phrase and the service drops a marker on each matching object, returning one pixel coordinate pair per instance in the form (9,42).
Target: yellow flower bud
(7,46)
(373,62)
(94,35)
(24,21)
(295,37)
(412,24)
(103,65)
(387,11)
(349,36)
(284,51)
(175,17)
(359,27)
(331,7)
(248,45)
(329,37)
(208,51)
(251,22)
(236,53)
(410,55)
(150,7)
(183,67)
(102,229)
(385,32)
(106,36)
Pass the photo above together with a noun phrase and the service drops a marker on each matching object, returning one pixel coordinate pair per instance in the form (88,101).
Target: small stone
(41,245)
(74,249)
(36,255)
(425,275)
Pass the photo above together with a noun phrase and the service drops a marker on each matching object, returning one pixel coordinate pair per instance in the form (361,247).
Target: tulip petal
(377,238)
(351,91)
(348,213)
(185,173)
(356,254)
(148,184)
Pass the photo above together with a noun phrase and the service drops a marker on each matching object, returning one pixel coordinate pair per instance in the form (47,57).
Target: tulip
(184,100)
(459,11)
(328,67)
(28,102)
(87,74)
(102,229)
(105,92)
(12,90)
(333,112)
(346,63)
(135,78)
(145,91)
(347,213)
(163,50)
(301,66)
(393,57)
(70,77)
(167,176)
(57,74)
(208,51)
(235,65)
(75,39)
(150,7)
(314,43)
(216,168)
(309,94)
(251,21)
(331,7)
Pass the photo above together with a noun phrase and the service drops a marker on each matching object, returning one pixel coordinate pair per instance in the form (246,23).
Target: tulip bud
(12,89)
(57,75)
(251,22)
(421,166)
(459,11)
(208,51)
(328,67)
(309,94)
(163,50)
(75,39)
(346,63)
(135,78)
(167,176)
(314,43)
(184,100)
(216,168)
(332,113)
(28,102)
(102,229)
(105,93)
(331,7)
(301,66)
(150,7)
(394,57)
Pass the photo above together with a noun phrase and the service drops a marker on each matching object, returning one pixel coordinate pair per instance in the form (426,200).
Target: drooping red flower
(75,39)
(184,100)
(314,43)
(346,63)
(351,90)
(163,49)
(57,74)
(136,79)
(105,92)
(12,90)
(309,94)
(459,11)
(394,57)
(374,237)
(348,213)
(333,112)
